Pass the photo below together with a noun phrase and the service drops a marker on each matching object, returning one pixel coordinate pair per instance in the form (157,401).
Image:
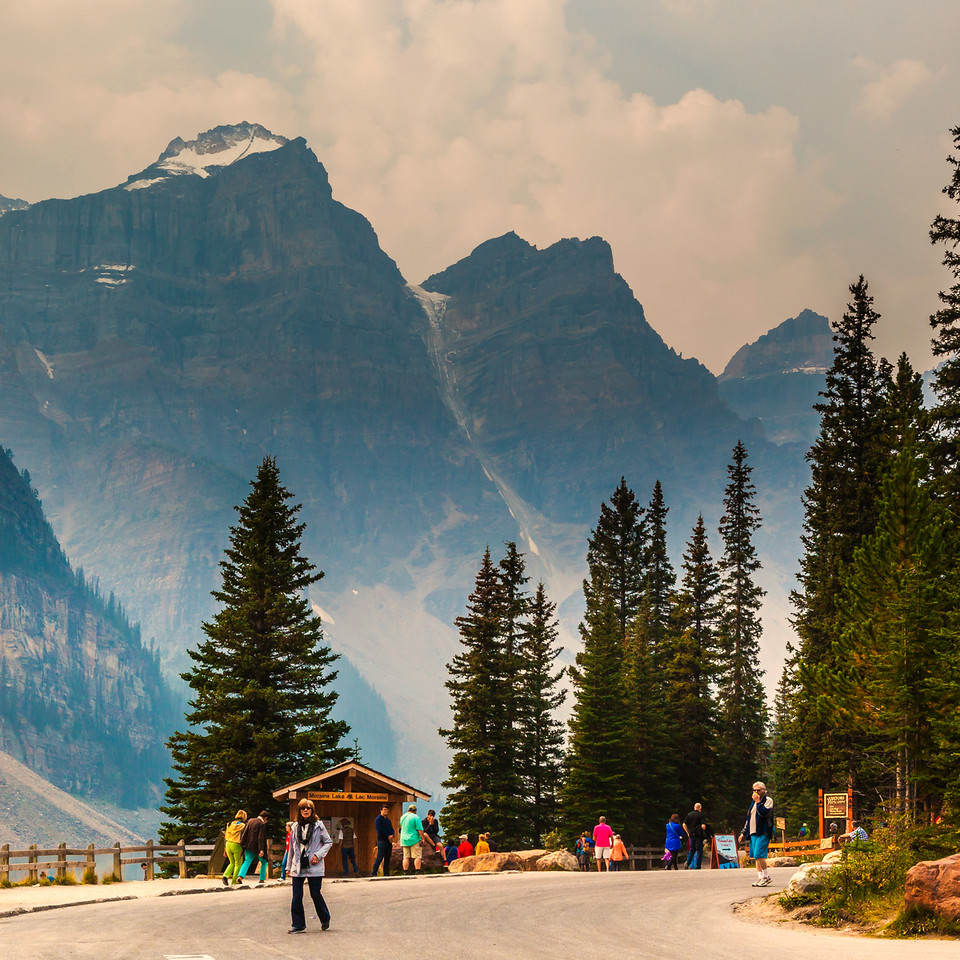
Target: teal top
(410,827)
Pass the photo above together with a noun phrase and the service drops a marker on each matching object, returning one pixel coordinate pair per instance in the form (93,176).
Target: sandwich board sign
(724,852)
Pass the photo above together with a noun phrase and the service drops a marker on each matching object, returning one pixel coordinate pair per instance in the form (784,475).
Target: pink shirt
(603,835)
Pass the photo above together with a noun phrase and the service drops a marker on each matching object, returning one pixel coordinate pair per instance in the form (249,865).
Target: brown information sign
(781,823)
(347,797)
(834,806)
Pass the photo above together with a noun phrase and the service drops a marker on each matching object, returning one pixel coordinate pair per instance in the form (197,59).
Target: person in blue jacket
(674,841)
(758,827)
(309,844)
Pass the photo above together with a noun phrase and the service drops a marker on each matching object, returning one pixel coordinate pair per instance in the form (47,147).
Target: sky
(745,159)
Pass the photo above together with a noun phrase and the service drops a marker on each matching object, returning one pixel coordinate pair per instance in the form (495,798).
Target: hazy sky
(744,158)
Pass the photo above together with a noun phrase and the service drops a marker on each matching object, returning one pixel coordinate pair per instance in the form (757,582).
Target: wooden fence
(58,860)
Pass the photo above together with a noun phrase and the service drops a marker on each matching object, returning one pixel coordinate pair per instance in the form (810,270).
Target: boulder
(783,862)
(934,885)
(558,860)
(487,863)
(430,860)
(834,856)
(808,879)
(529,858)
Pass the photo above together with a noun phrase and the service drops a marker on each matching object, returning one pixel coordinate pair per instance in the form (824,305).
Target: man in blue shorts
(759,828)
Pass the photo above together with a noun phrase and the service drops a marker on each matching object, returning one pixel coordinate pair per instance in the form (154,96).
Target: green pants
(235,855)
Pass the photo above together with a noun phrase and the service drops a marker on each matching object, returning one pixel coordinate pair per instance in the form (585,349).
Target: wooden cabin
(358,792)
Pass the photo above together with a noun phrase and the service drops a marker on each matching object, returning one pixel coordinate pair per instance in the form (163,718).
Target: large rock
(558,860)
(834,856)
(430,860)
(487,863)
(934,885)
(529,858)
(783,862)
(808,879)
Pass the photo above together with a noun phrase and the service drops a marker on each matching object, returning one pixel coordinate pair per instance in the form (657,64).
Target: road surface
(529,916)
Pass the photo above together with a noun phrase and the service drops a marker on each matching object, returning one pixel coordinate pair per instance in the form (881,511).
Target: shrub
(553,841)
(916,922)
(67,880)
(110,877)
(90,875)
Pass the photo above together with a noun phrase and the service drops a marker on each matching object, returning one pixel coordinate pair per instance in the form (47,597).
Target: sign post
(724,853)
(781,825)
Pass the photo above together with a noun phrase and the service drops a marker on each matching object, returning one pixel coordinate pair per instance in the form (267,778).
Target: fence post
(91,859)
(61,860)
(117,865)
(149,873)
(32,859)
(5,862)
(182,857)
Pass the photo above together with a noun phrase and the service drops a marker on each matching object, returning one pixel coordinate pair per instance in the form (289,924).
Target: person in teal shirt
(412,839)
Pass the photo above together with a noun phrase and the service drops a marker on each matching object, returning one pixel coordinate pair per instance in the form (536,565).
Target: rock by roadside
(934,885)
(487,863)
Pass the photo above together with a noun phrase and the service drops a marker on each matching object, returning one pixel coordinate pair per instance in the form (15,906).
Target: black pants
(297,918)
(384,851)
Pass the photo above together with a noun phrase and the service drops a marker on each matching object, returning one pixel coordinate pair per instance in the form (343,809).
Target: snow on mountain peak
(218,147)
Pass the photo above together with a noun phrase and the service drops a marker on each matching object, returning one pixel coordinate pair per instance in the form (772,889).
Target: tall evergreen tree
(659,577)
(693,667)
(541,733)
(597,753)
(484,777)
(946,343)
(742,702)
(262,699)
(841,508)
(615,556)
(884,683)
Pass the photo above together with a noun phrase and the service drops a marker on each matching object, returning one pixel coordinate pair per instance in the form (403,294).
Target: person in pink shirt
(602,843)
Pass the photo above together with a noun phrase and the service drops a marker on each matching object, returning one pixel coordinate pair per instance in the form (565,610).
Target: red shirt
(465,849)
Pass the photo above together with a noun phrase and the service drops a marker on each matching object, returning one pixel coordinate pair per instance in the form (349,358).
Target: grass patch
(915,923)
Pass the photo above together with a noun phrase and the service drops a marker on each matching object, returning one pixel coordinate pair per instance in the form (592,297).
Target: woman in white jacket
(309,843)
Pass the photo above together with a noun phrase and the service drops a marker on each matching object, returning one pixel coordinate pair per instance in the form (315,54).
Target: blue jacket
(675,835)
(318,843)
(384,829)
(764,815)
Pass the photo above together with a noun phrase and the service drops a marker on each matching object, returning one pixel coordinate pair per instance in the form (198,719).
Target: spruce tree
(597,754)
(615,556)
(484,776)
(841,508)
(946,343)
(660,580)
(741,699)
(260,714)
(885,680)
(541,733)
(693,667)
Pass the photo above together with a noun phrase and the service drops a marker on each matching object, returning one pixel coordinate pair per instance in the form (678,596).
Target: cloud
(447,122)
(882,97)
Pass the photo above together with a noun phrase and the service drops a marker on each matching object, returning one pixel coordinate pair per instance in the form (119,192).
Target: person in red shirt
(466,847)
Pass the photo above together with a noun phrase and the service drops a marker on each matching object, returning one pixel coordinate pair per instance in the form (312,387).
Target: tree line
(668,705)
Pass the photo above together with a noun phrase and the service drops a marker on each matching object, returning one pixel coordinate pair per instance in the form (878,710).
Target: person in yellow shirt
(482,845)
(232,833)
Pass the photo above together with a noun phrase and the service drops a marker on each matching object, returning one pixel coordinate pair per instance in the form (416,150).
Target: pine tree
(615,556)
(484,776)
(884,682)
(260,714)
(841,508)
(541,733)
(740,694)
(659,578)
(693,668)
(597,753)
(946,343)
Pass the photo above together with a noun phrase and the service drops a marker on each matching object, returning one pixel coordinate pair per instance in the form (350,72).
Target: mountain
(778,378)
(158,338)
(33,810)
(7,204)
(81,701)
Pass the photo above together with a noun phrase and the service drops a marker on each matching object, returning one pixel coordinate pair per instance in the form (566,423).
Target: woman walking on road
(674,842)
(232,833)
(309,844)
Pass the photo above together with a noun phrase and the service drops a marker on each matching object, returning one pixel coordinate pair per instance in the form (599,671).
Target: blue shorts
(759,845)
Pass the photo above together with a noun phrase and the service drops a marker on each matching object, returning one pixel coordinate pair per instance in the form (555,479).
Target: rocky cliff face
(81,701)
(778,378)
(8,203)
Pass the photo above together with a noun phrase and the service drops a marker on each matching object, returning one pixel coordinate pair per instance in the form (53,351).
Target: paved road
(551,916)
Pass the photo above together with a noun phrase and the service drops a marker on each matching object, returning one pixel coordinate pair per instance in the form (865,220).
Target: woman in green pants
(232,833)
